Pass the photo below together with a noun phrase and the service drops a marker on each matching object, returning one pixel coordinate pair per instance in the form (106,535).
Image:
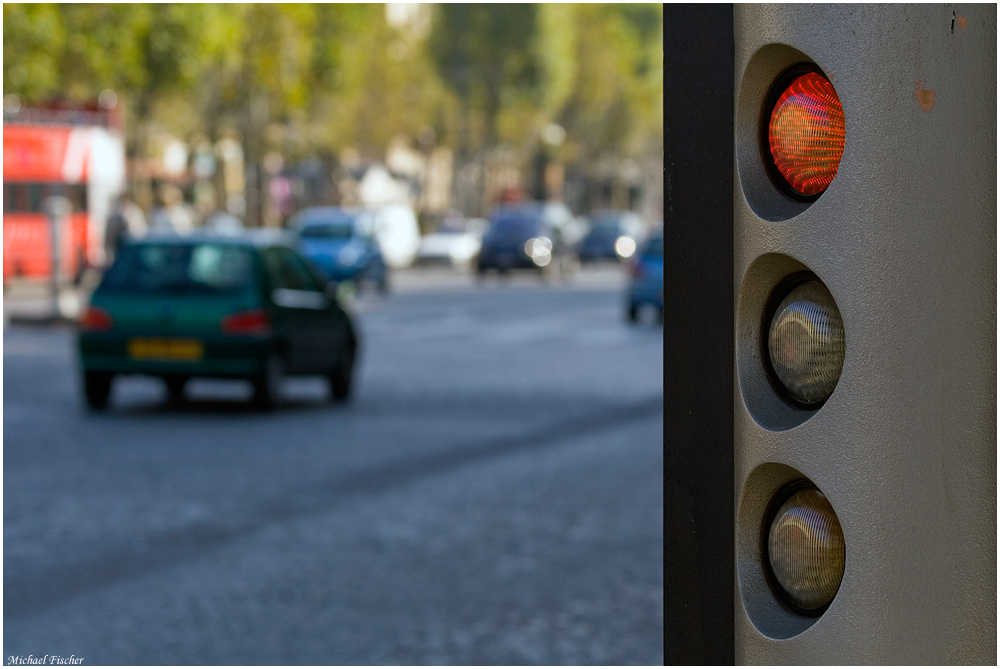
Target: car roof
(323,214)
(256,238)
(617,214)
(518,211)
(520,207)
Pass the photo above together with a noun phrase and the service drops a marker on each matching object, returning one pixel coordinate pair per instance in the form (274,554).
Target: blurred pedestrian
(125,223)
(171,216)
(134,217)
(115,233)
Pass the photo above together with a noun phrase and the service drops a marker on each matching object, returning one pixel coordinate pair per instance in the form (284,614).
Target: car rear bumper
(345,274)
(232,357)
(351,273)
(598,254)
(222,367)
(646,294)
(337,272)
(507,260)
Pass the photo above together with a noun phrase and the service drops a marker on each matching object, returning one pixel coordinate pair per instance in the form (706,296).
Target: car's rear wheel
(633,313)
(267,384)
(175,388)
(97,389)
(341,378)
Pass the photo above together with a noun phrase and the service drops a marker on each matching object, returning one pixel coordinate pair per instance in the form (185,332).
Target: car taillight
(251,322)
(96,319)
(806,134)
(636,269)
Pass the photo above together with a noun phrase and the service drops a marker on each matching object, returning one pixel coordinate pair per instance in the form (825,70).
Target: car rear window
(515,227)
(338,230)
(608,226)
(333,223)
(180,268)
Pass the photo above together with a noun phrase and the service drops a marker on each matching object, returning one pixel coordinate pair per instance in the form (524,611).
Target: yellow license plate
(165,349)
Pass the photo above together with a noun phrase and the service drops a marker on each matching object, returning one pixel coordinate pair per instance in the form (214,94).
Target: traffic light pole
(904,239)
(698,326)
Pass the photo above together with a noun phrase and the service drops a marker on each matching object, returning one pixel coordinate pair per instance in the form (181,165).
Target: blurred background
(259,110)
(492,494)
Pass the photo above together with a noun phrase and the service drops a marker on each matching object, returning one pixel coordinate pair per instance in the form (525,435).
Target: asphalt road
(492,495)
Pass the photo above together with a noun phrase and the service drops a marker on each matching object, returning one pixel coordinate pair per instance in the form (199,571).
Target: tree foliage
(300,78)
(34,37)
(484,53)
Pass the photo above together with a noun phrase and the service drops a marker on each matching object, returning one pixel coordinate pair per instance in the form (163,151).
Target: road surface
(492,495)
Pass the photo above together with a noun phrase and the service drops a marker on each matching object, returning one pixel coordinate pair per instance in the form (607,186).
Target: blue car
(646,286)
(341,243)
(519,237)
(614,235)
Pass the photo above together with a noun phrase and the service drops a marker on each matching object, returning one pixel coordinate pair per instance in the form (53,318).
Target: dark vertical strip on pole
(698,284)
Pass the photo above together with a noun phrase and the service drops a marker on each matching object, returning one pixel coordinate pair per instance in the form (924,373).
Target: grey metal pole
(57,208)
(904,240)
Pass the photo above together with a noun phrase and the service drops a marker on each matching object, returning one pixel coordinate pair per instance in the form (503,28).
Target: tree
(485,54)
(33,40)
(302,79)
(614,109)
(619,64)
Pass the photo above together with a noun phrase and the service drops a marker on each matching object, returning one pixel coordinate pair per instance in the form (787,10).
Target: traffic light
(865,340)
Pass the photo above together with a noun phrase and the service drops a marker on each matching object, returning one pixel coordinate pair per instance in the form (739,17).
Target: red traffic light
(806,134)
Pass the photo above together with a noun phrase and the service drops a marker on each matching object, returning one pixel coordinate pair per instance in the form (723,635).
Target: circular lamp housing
(805,549)
(805,343)
(804,133)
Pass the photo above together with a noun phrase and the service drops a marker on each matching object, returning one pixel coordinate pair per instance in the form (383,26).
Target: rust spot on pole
(960,20)
(924,97)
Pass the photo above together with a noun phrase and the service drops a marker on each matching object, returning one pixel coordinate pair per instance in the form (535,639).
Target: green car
(219,306)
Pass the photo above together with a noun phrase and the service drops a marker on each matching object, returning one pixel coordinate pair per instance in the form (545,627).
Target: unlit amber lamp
(806,343)
(806,549)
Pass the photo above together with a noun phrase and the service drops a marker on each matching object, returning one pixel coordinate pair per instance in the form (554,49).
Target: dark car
(614,235)
(342,244)
(646,286)
(519,237)
(217,306)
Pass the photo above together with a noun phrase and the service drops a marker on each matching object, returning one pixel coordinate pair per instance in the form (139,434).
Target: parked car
(342,244)
(519,237)
(214,305)
(455,242)
(613,235)
(646,285)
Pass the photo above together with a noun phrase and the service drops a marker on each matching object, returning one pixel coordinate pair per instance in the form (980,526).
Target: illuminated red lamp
(806,134)
(254,322)
(96,319)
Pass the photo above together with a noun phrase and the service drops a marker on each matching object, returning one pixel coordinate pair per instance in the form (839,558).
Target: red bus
(76,152)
